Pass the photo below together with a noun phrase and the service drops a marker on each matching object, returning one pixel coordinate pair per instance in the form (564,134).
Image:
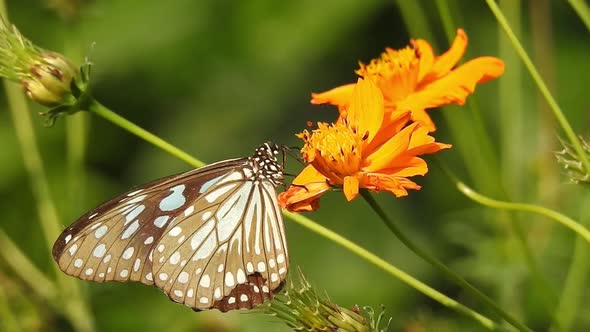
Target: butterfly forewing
(210,238)
(115,240)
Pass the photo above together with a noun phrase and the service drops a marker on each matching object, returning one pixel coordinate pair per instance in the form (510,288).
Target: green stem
(109,115)
(76,310)
(26,270)
(439,265)
(392,270)
(577,278)
(8,321)
(583,11)
(553,215)
(557,112)
(100,110)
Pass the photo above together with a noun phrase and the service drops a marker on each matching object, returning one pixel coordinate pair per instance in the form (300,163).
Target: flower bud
(49,80)
(572,164)
(303,309)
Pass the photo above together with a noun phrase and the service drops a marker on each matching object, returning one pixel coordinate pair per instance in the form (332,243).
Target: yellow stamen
(396,72)
(338,147)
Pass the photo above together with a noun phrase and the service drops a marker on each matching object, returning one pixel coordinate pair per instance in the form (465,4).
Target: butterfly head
(266,164)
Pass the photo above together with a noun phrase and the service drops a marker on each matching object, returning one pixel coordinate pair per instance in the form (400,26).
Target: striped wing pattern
(209,238)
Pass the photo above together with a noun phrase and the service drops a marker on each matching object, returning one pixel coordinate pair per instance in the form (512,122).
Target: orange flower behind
(413,79)
(358,151)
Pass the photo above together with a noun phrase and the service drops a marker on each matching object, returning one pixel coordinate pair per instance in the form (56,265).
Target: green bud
(303,309)
(49,80)
(571,163)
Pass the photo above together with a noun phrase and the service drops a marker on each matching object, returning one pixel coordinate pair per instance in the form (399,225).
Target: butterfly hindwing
(224,256)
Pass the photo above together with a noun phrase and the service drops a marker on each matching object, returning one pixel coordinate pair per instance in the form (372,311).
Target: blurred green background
(217,78)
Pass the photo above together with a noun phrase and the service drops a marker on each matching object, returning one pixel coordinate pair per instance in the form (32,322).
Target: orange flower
(413,79)
(357,152)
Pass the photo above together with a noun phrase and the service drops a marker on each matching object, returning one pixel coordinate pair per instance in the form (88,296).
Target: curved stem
(439,265)
(100,110)
(493,203)
(567,128)
(392,270)
(554,215)
(109,115)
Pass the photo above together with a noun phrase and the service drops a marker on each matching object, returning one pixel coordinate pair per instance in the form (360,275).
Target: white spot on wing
(175,200)
(68,238)
(78,262)
(101,231)
(205,281)
(136,200)
(134,213)
(189,210)
(73,249)
(175,231)
(161,221)
(183,277)
(200,235)
(128,253)
(100,250)
(175,258)
(218,192)
(231,211)
(229,279)
(130,230)
(206,215)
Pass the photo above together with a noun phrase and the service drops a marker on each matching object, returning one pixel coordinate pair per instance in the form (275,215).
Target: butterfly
(209,238)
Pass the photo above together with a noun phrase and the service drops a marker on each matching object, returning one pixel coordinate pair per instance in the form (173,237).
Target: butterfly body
(209,238)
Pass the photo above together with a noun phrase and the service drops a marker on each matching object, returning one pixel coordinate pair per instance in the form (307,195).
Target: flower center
(334,150)
(395,72)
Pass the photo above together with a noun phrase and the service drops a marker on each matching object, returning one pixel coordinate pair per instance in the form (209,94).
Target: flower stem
(75,307)
(392,270)
(439,265)
(557,112)
(8,321)
(109,115)
(577,278)
(26,270)
(100,110)
(581,8)
(554,215)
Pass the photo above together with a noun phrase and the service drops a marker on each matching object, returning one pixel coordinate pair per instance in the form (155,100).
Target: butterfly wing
(115,241)
(230,251)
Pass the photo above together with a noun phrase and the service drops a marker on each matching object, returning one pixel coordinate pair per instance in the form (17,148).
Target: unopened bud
(572,164)
(303,309)
(49,80)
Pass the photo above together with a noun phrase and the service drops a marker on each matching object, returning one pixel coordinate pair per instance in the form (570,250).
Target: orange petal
(456,86)
(384,155)
(420,116)
(388,129)
(407,166)
(366,110)
(426,56)
(340,96)
(446,61)
(305,191)
(393,184)
(351,187)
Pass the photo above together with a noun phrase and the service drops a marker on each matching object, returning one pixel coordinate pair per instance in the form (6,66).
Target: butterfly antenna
(295,156)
